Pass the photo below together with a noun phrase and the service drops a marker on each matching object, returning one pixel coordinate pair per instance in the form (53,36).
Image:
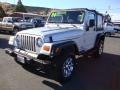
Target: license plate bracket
(21,59)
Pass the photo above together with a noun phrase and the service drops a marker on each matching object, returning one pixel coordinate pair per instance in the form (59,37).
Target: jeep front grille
(28,43)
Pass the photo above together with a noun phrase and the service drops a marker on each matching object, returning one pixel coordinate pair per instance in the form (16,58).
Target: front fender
(68,46)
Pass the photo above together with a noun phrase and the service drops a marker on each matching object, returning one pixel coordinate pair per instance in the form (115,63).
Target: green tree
(20,7)
(2,12)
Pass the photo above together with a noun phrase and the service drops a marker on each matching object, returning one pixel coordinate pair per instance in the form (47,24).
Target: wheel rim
(68,67)
(101,48)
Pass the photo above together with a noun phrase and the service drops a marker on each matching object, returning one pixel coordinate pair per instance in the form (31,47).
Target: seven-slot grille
(28,43)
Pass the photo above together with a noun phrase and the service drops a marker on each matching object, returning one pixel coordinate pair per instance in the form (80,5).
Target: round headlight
(18,38)
(39,42)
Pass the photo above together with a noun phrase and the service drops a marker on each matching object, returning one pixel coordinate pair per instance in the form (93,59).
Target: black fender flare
(99,37)
(69,46)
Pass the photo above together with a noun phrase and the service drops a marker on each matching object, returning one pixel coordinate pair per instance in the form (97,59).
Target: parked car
(117,27)
(14,24)
(67,33)
(38,22)
(109,29)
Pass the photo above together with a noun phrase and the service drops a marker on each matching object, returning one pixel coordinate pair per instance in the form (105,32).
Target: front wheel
(65,68)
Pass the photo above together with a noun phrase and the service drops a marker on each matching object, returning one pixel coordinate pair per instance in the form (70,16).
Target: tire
(99,49)
(65,67)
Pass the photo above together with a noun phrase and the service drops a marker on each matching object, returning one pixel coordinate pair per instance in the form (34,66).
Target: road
(91,73)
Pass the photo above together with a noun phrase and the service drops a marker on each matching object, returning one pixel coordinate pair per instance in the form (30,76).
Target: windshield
(69,17)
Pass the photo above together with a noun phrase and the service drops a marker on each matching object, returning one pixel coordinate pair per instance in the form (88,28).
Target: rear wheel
(99,49)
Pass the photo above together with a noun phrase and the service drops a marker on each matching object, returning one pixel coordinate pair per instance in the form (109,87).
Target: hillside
(37,10)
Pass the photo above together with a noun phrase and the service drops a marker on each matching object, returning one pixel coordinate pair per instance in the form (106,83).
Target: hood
(57,33)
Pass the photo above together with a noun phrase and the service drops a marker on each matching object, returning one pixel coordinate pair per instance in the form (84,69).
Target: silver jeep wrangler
(67,33)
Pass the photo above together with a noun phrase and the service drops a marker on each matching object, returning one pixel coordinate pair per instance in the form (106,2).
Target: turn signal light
(46,48)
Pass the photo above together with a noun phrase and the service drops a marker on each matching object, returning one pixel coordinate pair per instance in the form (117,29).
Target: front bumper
(28,57)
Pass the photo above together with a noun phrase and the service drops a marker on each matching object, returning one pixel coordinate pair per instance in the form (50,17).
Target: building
(26,16)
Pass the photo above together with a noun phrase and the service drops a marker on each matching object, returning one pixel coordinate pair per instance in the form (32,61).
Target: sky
(63,4)
(112,6)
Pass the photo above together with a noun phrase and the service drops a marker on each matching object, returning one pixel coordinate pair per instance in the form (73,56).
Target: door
(3,24)
(9,26)
(90,33)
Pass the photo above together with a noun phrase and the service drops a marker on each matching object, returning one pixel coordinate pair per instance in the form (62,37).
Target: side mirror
(91,23)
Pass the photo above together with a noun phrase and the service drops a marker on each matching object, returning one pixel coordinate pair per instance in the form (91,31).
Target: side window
(9,20)
(91,16)
(99,22)
(4,20)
